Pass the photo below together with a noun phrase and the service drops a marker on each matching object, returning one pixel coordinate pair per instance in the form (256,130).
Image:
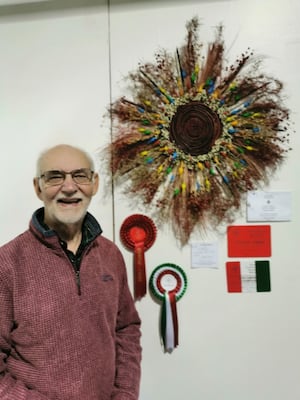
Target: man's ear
(95,183)
(37,188)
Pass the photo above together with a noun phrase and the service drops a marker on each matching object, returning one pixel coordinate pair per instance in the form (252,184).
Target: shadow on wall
(26,8)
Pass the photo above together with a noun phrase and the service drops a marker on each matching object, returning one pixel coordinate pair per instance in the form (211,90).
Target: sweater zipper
(75,261)
(76,267)
(77,274)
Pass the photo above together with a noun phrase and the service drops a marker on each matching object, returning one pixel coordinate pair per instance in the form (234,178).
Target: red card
(249,241)
(234,282)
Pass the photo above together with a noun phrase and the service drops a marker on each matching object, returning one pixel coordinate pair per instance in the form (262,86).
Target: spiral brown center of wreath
(194,128)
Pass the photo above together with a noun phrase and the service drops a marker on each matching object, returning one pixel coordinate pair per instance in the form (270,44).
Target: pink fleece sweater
(56,344)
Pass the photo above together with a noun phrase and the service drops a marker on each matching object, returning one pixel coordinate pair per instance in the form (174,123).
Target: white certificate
(268,206)
(204,255)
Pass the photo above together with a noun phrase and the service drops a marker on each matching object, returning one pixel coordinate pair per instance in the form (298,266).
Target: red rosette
(138,233)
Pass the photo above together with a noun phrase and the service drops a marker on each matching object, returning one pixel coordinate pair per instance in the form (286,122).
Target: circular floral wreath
(196,135)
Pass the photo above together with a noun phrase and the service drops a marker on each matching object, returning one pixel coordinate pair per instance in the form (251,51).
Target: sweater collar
(90,228)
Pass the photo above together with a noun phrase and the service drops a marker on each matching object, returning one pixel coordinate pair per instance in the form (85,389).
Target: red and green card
(248,276)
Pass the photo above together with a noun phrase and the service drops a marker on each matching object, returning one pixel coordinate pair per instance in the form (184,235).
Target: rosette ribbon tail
(140,285)
(169,322)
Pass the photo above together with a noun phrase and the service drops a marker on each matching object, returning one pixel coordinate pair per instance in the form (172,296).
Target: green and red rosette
(168,282)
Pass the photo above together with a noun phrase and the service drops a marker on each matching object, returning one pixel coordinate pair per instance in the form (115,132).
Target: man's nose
(69,183)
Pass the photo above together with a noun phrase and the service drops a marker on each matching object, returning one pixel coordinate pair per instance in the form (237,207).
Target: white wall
(54,86)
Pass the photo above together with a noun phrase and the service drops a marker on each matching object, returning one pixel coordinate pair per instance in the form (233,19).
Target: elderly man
(69,329)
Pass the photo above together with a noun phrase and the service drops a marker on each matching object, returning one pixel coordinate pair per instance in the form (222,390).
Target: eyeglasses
(81,176)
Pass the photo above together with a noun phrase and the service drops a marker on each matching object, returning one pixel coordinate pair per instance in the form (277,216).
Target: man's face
(65,203)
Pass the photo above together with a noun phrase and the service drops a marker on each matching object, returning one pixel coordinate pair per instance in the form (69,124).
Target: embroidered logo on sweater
(106,278)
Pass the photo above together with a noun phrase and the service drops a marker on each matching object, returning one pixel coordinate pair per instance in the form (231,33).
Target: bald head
(62,155)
